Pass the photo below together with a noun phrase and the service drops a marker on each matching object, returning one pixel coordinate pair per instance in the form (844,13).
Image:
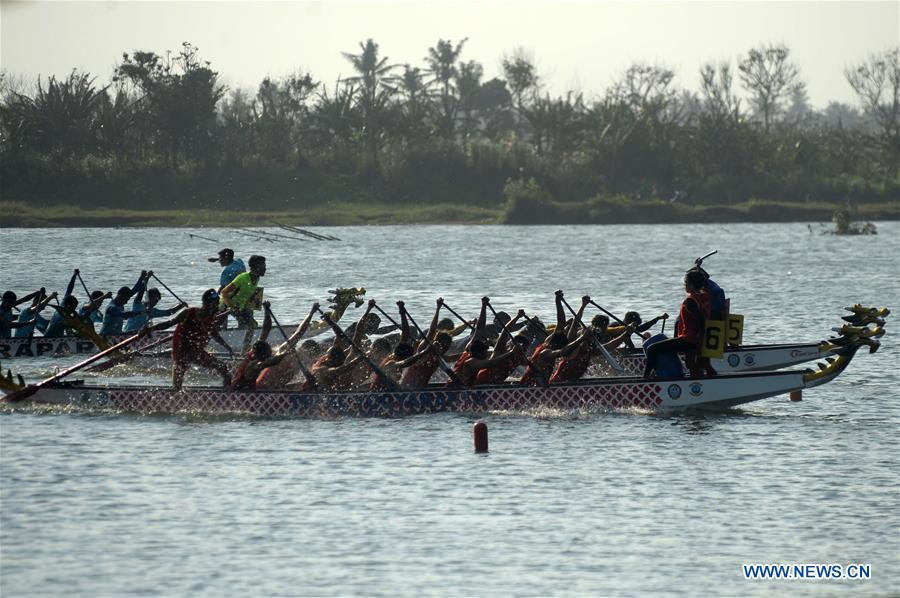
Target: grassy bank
(597,211)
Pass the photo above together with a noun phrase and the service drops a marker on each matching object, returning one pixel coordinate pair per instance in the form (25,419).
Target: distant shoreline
(22,215)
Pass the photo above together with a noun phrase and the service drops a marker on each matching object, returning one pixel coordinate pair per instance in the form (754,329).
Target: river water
(588,504)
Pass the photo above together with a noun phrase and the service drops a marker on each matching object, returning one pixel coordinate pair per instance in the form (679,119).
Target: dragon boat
(595,394)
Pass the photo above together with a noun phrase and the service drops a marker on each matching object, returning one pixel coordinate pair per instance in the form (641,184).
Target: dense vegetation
(165,133)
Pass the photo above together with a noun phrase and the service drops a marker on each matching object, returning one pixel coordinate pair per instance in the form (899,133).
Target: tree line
(166,132)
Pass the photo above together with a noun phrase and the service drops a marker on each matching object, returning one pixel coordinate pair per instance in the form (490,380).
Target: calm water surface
(564,504)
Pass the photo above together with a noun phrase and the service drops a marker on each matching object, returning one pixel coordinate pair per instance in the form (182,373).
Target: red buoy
(480,434)
(797,395)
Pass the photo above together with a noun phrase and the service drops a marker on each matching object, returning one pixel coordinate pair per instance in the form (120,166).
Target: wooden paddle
(340,333)
(171,292)
(29,390)
(106,365)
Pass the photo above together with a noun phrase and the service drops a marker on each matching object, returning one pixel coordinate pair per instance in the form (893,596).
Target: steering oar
(29,390)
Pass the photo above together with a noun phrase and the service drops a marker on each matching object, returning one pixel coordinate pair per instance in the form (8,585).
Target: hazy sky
(576,45)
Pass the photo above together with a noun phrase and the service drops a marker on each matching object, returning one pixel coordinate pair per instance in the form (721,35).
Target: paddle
(441,362)
(84,286)
(450,309)
(606,354)
(340,333)
(309,376)
(29,390)
(106,365)
(601,308)
(177,298)
(699,260)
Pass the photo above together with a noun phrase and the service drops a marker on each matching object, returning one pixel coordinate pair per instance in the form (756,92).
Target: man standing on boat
(231,267)
(238,296)
(194,327)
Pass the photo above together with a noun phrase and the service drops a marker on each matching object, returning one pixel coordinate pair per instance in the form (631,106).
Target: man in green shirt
(238,296)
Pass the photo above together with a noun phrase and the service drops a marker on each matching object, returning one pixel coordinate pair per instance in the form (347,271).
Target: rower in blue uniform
(57,326)
(146,311)
(115,314)
(8,320)
(31,316)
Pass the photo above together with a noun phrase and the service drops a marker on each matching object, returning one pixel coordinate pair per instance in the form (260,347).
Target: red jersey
(419,374)
(193,333)
(573,367)
(690,325)
(532,377)
(496,374)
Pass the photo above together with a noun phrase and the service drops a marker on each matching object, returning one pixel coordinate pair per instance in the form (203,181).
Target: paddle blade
(21,395)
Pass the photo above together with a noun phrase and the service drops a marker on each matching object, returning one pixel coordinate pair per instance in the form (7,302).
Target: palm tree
(375,92)
(441,60)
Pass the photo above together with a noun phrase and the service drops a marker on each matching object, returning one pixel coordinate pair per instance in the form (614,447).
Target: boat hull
(583,396)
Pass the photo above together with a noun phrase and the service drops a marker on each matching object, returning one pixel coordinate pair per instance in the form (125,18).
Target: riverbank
(603,211)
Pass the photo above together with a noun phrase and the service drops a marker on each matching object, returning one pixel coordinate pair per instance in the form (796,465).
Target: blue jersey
(717,303)
(28,314)
(113,319)
(231,270)
(143,316)
(6,317)
(95,316)
(56,327)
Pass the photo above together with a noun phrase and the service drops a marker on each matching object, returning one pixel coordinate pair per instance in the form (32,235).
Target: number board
(735,330)
(713,339)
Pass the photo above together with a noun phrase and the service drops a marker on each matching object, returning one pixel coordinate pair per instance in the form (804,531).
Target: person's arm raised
(574,326)
(303,327)
(358,333)
(560,312)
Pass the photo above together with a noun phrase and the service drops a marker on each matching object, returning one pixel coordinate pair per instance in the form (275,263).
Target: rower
(30,317)
(575,365)
(238,295)
(7,319)
(258,358)
(390,362)
(193,328)
(57,326)
(420,367)
(146,311)
(694,312)
(279,375)
(499,372)
(115,315)
(90,311)
(556,345)
(329,370)
(639,327)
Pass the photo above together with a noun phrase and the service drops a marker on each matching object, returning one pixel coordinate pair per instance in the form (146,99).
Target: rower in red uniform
(695,310)
(195,326)
(574,366)
(280,375)
(499,372)
(556,345)
(418,369)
